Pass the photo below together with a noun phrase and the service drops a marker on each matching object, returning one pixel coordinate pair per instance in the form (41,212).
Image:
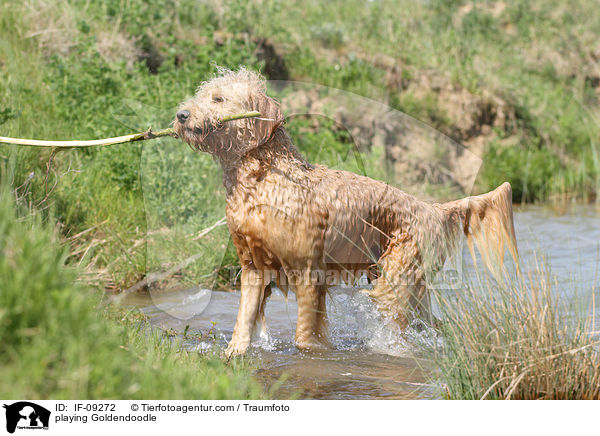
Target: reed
(517,340)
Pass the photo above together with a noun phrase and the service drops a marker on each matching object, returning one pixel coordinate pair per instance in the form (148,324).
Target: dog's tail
(487,219)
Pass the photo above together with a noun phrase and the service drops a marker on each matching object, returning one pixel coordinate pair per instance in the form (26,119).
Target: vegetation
(518,340)
(54,344)
(103,69)
(517,82)
(527,69)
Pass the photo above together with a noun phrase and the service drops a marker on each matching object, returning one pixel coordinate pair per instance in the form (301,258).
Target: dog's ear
(272,118)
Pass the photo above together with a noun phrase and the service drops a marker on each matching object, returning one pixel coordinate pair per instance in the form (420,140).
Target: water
(568,238)
(371,359)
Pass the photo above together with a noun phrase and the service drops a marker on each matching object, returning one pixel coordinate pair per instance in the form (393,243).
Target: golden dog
(300,224)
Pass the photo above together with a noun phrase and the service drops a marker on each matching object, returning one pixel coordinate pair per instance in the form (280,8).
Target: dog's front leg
(311,327)
(252,293)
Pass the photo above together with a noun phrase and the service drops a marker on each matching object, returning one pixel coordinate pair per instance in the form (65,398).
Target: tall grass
(111,75)
(55,343)
(534,55)
(106,74)
(97,69)
(519,340)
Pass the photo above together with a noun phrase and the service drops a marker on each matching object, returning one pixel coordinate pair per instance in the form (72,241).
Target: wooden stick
(112,141)
(154,277)
(94,142)
(234,117)
(204,232)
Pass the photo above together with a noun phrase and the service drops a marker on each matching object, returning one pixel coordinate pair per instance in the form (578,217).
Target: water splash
(355,323)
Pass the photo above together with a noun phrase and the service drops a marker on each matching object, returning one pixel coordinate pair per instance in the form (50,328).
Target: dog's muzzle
(182,116)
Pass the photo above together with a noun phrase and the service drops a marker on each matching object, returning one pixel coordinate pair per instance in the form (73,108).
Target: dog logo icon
(26,415)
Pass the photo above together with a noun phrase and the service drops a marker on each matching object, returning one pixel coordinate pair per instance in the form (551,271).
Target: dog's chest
(276,214)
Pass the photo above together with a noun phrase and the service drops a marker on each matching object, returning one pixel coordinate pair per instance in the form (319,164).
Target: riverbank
(532,338)
(56,331)
(464,95)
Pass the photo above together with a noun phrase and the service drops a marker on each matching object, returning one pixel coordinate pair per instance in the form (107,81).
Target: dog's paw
(234,349)
(314,345)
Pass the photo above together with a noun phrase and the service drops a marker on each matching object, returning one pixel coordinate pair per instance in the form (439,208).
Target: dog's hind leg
(261,312)
(250,302)
(400,291)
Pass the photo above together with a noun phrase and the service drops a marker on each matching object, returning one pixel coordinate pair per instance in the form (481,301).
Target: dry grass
(521,340)
(52,25)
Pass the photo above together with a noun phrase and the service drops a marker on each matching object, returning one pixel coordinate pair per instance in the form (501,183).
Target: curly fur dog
(305,226)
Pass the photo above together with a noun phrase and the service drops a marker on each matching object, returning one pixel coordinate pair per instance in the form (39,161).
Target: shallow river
(371,360)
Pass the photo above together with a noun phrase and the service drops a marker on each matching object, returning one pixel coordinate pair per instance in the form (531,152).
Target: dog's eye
(218,99)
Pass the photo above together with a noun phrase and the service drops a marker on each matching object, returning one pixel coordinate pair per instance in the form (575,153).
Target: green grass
(534,56)
(79,88)
(120,67)
(73,69)
(86,92)
(56,345)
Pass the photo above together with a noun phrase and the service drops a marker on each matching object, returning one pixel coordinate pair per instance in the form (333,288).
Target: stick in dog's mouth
(219,124)
(143,136)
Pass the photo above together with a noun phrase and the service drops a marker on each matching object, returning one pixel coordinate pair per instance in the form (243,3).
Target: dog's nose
(182,116)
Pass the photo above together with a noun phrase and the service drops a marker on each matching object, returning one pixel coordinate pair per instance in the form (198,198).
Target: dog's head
(231,92)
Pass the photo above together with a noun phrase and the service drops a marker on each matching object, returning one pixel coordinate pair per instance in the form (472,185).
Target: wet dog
(305,226)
